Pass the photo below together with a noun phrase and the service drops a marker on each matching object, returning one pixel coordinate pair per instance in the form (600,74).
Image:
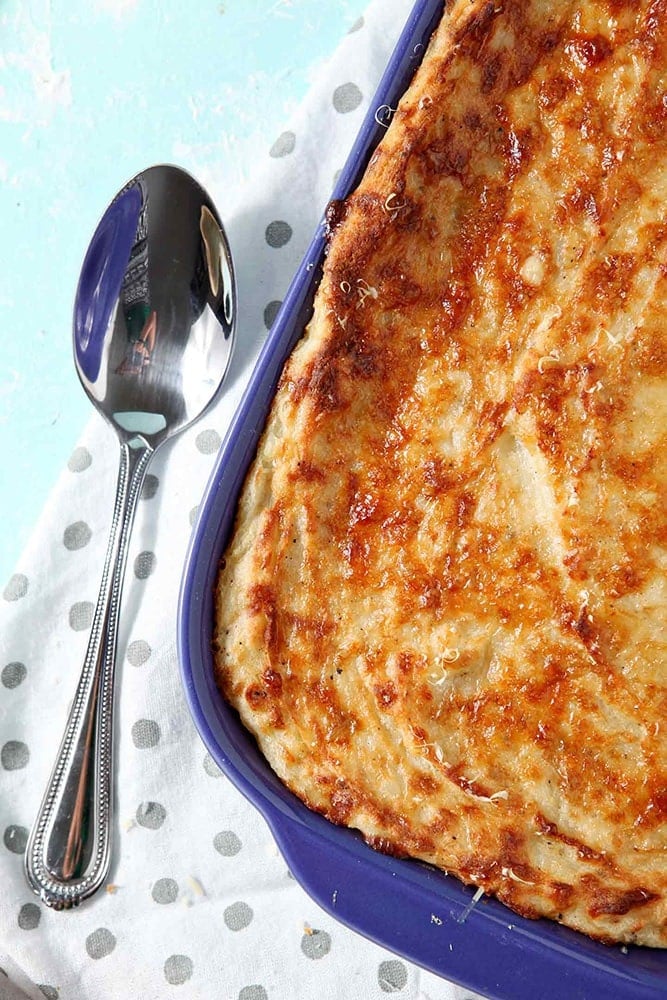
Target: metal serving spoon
(154,321)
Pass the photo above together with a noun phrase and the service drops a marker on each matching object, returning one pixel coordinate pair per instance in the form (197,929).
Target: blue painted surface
(91,91)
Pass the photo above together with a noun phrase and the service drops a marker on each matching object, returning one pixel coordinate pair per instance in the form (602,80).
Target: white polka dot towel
(199,903)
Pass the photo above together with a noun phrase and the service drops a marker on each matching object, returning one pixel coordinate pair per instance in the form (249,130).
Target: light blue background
(91,91)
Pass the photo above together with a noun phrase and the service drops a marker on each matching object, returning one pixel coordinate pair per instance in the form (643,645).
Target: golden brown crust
(443,612)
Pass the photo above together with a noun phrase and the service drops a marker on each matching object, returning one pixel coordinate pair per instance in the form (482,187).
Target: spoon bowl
(155,306)
(154,324)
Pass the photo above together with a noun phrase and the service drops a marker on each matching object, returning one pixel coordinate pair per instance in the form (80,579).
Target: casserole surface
(442,612)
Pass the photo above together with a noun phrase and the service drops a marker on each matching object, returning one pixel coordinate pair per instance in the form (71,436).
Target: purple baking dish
(406,906)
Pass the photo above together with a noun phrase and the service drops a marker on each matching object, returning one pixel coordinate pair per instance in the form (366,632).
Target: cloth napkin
(199,903)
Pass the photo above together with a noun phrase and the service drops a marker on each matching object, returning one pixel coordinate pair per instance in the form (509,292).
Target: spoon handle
(68,852)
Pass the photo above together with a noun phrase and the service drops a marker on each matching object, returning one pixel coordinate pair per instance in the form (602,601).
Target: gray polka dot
(151,815)
(13,674)
(144,565)
(145,734)
(211,767)
(347,97)
(270,312)
(165,890)
(208,442)
(14,755)
(100,943)
(227,843)
(237,916)
(253,993)
(79,460)
(178,969)
(193,515)
(336,177)
(284,145)
(76,536)
(50,992)
(81,615)
(392,976)
(150,487)
(278,233)
(138,652)
(316,944)
(17,587)
(29,916)
(15,838)
(358,24)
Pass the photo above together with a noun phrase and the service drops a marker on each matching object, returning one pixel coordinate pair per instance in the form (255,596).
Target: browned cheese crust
(443,609)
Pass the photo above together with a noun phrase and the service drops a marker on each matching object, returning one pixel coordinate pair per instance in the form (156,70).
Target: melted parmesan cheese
(443,609)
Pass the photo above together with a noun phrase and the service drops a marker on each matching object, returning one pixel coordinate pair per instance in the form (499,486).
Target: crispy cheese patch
(443,609)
